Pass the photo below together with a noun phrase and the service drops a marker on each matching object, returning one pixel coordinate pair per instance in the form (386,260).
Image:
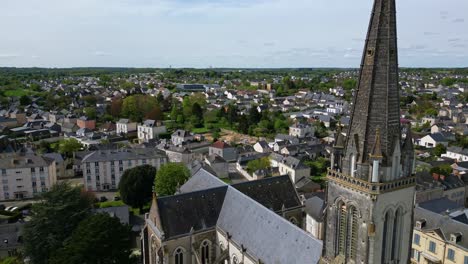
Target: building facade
(103,169)
(150,129)
(25,176)
(370,183)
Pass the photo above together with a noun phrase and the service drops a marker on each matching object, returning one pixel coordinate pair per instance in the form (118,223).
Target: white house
(432,140)
(125,126)
(457,153)
(150,129)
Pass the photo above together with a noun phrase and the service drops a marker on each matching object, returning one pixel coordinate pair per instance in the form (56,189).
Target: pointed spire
(377,149)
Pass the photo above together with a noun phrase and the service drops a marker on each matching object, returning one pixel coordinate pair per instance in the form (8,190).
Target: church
(369,197)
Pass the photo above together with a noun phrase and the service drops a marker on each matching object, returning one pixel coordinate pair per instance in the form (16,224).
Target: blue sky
(223,33)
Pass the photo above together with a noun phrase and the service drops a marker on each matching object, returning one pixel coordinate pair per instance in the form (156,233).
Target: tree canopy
(99,239)
(170,176)
(135,186)
(53,221)
(258,164)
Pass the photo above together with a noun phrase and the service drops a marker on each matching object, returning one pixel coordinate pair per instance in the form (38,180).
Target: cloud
(9,56)
(428,33)
(101,53)
(454,40)
(458,20)
(269,44)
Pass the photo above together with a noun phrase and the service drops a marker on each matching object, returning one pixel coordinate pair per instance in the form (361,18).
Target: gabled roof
(265,234)
(220,145)
(198,210)
(272,192)
(201,180)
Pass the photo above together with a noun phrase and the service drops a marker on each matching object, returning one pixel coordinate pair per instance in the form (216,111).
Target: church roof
(201,180)
(266,235)
(198,210)
(272,192)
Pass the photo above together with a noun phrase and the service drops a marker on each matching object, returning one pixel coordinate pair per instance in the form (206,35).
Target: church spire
(376,101)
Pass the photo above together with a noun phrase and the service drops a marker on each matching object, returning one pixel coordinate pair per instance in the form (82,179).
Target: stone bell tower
(370,182)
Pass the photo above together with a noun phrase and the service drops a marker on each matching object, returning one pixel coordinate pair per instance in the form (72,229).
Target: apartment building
(439,238)
(25,176)
(102,169)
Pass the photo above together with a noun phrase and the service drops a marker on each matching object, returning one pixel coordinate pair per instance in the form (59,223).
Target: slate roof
(440,205)
(442,223)
(264,233)
(273,192)
(201,180)
(198,210)
(127,154)
(315,207)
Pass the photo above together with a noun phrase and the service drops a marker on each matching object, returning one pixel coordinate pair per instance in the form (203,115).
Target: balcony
(370,187)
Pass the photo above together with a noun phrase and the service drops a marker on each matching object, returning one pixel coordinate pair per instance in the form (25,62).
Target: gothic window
(387,237)
(205,252)
(235,260)
(341,234)
(293,221)
(179,256)
(347,231)
(352,232)
(397,225)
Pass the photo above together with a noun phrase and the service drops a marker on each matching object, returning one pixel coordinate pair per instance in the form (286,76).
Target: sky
(223,33)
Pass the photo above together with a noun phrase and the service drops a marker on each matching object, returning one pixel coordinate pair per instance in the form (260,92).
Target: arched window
(235,260)
(341,229)
(179,256)
(205,252)
(352,232)
(293,221)
(347,231)
(387,237)
(397,224)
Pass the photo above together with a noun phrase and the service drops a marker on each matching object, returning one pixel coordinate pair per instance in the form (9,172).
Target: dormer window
(421,223)
(455,238)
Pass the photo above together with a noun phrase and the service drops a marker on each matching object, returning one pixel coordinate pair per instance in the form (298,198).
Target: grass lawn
(201,130)
(16,92)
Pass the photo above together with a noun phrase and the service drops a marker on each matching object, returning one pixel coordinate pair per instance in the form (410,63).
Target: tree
(439,149)
(116,107)
(258,164)
(25,100)
(99,239)
(69,146)
(135,186)
(90,112)
(444,169)
(197,115)
(155,114)
(53,221)
(170,176)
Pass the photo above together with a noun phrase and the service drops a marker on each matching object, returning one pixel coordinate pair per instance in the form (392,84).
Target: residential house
(150,129)
(224,150)
(125,126)
(432,140)
(86,122)
(301,130)
(181,136)
(102,169)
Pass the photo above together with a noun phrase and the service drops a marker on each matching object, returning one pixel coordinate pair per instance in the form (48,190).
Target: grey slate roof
(264,233)
(201,180)
(440,205)
(273,192)
(444,224)
(198,210)
(315,207)
(127,154)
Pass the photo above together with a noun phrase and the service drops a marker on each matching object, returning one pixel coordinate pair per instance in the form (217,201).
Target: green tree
(170,176)
(135,186)
(25,100)
(53,221)
(444,169)
(197,115)
(90,112)
(258,164)
(98,239)
(439,149)
(69,146)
